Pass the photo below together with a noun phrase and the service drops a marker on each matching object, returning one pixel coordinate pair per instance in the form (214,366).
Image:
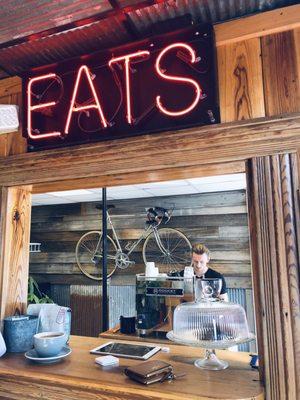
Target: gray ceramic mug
(49,344)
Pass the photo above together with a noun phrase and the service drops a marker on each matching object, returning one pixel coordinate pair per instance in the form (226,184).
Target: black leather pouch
(150,372)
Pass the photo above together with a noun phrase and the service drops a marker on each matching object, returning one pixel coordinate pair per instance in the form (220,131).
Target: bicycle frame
(139,240)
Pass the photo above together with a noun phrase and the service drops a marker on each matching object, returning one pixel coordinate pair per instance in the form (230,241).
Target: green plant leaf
(34,293)
(35,299)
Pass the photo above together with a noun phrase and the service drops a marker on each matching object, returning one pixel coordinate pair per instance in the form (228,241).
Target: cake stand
(210,361)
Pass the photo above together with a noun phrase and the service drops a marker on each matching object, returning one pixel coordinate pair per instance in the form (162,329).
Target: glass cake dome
(210,323)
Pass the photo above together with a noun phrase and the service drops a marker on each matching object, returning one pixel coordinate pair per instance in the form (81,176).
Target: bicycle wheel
(89,255)
(177,246)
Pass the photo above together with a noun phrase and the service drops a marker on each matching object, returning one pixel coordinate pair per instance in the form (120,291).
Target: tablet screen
(126,350)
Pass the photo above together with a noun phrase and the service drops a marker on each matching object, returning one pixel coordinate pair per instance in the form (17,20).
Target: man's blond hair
(199,248)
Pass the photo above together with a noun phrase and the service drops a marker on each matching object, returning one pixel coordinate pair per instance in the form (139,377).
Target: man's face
(199,262)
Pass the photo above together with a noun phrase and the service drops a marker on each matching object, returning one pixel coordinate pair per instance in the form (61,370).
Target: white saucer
(33,356)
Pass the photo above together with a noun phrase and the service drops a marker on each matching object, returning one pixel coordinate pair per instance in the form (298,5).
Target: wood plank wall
(273,217)
(218,219)
(260,76)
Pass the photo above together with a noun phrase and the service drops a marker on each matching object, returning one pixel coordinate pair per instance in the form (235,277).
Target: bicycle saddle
(156,215)
(108,206)
(157,210)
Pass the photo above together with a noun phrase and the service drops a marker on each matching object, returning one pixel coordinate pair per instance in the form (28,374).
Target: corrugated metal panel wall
(121,302)
(88,298)
(86,305)
(60,294)
(239,296)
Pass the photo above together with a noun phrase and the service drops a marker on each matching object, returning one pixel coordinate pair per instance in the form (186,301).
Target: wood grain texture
(11,93)
(293,197)
(15,233)
(223,143)
(281,79)
(261,24)
(240,81)
(79,377)
(296,34)
(275,271)
(297,49)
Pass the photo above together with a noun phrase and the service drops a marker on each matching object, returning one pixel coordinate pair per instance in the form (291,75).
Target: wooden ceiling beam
(261,24)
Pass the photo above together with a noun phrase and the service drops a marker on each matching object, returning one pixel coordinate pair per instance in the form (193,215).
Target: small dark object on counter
(127,324)
(150,372)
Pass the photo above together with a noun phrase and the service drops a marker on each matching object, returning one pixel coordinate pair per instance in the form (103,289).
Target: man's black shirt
(211,273)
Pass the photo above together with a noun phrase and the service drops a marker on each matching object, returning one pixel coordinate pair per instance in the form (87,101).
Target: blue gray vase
(19,331)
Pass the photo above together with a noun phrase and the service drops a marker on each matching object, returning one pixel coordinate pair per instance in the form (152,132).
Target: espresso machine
(156,299)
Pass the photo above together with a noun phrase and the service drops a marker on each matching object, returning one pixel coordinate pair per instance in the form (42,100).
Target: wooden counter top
(78,377)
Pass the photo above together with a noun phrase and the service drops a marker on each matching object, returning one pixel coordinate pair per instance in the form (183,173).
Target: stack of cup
(151,270)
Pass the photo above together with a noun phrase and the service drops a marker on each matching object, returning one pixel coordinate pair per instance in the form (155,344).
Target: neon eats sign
(169,81)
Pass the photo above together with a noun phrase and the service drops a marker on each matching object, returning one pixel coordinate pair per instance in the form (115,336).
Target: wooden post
(14,249)
(273,219)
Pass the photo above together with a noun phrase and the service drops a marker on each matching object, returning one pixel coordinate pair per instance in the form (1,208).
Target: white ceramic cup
(151,270)
(49,344)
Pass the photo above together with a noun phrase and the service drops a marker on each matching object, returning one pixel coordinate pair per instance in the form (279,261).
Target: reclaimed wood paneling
(276,272)
(190,221)
(281,80)
(234,282)
(212,218)
(15,232)
(240,81)
(67,268)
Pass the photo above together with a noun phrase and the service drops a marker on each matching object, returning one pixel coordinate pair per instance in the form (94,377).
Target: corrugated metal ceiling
(40,32)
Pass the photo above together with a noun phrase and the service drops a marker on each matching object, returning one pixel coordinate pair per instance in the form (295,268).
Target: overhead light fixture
(70,193)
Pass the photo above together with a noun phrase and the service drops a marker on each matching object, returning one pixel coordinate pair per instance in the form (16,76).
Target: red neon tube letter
(31,108)
(177,79)
(126,59)
(96,105)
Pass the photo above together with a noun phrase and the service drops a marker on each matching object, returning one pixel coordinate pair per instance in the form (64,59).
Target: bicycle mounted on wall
(169,248)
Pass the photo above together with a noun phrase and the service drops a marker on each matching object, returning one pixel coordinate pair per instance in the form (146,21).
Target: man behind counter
(200,259)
